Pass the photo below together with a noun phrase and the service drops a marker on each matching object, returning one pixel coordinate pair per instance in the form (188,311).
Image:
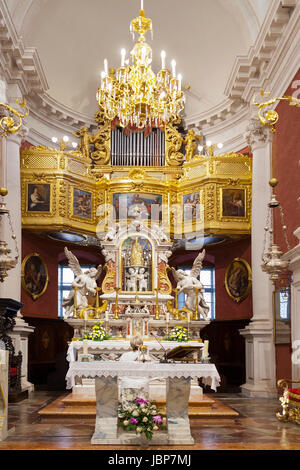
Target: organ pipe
(137,150)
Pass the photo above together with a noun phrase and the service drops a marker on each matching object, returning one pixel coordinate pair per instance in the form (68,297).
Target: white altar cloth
(207,372)
(124,345)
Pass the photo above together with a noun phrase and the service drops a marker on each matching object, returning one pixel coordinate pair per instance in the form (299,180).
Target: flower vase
(144,442)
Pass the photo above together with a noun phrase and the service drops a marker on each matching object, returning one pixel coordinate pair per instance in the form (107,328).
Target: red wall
(226,308)
(52,253)
(286,167)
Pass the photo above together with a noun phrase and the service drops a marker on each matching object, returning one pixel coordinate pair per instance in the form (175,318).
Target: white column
(11,287)
(260,348)
(294,265)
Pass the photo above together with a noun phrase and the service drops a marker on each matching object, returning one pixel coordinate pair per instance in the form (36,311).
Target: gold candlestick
(176,316)
(97,303)
(116,314)
(156,305)
(75,303)
(196,314)
(188,320)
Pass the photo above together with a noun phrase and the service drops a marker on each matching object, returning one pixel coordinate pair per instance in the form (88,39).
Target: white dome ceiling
(73,37)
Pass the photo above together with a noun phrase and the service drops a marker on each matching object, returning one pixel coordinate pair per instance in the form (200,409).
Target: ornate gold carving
(165,286)
(8,125)
(137,173)
(85,141)
(93,312)
(174,142)
(289,413)
(108,284)
(269,117)
(190,142)
(101,140)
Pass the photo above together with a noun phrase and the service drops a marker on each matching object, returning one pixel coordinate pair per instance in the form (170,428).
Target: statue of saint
(85,141)
(136,258)
(85,282)
(188,283)
(190,142)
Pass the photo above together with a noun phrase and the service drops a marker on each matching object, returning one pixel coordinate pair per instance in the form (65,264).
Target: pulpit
(178,382)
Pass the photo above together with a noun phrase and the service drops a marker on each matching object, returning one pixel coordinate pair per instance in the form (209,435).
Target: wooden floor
(254,428)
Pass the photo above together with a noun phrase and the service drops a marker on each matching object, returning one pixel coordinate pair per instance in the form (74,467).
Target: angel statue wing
(175,275)
(197,265)
(73,262)
(99,271)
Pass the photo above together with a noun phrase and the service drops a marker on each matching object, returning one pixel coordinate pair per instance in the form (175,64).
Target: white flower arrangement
(97,333)
(178,333)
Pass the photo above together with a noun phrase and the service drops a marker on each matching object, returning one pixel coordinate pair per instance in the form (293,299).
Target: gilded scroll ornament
(269,117)
(101,141)
(174,142)
(12,123)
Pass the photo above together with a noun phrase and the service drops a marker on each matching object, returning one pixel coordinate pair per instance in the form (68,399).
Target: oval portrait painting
(34,275)
(238,279)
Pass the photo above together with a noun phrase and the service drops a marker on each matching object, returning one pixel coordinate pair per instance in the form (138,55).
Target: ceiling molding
(272,61)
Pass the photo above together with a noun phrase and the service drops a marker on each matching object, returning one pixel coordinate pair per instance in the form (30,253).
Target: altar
(178,382)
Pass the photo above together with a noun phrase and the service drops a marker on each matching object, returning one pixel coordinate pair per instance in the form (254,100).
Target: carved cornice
(280,30)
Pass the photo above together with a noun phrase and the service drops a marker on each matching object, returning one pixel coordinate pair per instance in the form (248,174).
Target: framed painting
(38,197)
(34,275)
(191,206)
(233,202)
(82,203)
(238,279)
(137,205)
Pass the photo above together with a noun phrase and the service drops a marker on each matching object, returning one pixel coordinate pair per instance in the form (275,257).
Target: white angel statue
(188,282)
(85,283)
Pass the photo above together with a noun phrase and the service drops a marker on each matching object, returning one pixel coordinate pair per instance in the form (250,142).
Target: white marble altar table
(122,346)
(178,383)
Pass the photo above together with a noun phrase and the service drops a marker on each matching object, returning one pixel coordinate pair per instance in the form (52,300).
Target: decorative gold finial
(3,191)
(273,182)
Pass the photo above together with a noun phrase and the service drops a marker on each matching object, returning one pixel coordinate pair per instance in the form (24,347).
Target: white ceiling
(73,37)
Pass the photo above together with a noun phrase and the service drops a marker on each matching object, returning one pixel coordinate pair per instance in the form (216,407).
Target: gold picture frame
(238,279)
(34,275)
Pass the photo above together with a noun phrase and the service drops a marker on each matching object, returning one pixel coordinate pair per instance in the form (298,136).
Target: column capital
(257,135)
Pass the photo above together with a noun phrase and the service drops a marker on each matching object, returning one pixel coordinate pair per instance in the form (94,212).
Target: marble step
(72,407)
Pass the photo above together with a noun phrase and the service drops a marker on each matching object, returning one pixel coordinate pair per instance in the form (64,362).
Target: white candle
(142,4)
(167,317)
(85,346)
(106,316)
(123,53)
(188,317)
(205,350)
(173,63)
(105,66)
(179,81)
(163,60)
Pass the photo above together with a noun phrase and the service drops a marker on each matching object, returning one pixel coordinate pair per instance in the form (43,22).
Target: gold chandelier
(133,94)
